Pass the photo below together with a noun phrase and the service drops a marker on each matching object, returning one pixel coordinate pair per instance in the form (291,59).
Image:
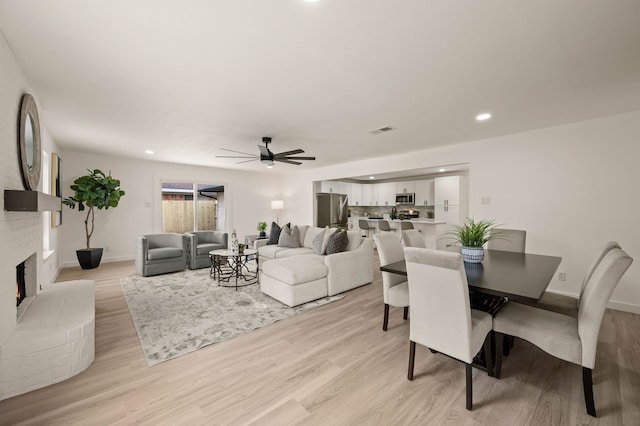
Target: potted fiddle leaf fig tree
(472,236)
(96,190)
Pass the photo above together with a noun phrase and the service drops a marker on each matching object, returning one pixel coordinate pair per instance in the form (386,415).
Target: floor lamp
(277,205)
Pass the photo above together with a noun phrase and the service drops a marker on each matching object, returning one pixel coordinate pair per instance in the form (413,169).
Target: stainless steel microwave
(405,199)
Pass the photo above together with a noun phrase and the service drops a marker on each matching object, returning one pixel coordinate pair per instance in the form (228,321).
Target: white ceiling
(186,78)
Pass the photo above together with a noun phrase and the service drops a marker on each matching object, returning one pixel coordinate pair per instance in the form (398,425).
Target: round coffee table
(225,265)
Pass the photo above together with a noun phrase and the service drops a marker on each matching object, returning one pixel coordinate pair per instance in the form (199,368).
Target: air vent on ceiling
(381,130)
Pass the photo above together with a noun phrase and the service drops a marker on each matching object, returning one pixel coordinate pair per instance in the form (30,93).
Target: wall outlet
(106,249)
(562,276)
(147,204)
(485,200)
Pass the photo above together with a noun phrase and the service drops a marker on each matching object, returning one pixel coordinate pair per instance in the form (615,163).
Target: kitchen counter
(433,231)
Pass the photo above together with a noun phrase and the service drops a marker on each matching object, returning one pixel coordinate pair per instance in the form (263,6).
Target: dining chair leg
(488,354)
(469,386)
(385,321)
(406,313)
(587,385)
(499,346)
(412,358)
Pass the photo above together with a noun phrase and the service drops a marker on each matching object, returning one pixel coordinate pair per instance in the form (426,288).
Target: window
(192,207)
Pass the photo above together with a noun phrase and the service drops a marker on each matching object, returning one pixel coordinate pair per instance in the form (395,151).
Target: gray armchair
(201,243)
(160,253)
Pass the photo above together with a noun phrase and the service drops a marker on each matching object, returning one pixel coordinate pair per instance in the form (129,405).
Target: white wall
(572,188)
(247,201)
(21,233)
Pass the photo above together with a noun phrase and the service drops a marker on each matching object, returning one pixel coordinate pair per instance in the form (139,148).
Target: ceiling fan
(266,156)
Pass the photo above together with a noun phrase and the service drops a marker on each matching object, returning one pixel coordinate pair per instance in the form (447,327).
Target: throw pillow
(337,242)
(274,233)
(316,244)
(289,237)
(327,233)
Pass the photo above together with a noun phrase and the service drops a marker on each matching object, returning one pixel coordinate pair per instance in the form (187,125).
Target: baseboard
(625,307)
(104,260)
(618,306)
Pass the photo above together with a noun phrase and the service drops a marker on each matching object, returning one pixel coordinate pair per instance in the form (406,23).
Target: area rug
(178,313)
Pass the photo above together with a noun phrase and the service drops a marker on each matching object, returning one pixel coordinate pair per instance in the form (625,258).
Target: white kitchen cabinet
(333,187)
(424,192)
(386,194)
(369,194)
(452,199)
(405,187)
(447,190)
(354,191)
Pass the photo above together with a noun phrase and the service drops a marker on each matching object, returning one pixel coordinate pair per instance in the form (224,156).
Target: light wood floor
(330,366)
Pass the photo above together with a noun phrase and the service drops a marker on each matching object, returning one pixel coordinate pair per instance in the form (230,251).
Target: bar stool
(364,226)
(383,225)
(404,225)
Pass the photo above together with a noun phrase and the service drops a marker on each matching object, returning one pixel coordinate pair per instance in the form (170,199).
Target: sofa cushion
(302,229)
(206,248)
(163,253)
(296,270)
(293,252)
(310,235)
(289,237)
(337,242)
(270,252)
(355,239)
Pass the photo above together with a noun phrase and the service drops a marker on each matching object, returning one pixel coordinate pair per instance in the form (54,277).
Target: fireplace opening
(21,285)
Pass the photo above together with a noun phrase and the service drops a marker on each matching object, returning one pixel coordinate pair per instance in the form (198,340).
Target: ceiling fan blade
(239,152)
(287,153)
(255,157)
(247,161)
(300,158)
(284,160)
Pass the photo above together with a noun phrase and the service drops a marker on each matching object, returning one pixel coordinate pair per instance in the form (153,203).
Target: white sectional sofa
(297,275)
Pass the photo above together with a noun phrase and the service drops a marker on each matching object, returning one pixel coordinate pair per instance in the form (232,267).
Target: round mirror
(29,141)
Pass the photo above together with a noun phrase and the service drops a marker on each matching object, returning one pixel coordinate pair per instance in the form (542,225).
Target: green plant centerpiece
(262,227)
(95,190)
(472,236)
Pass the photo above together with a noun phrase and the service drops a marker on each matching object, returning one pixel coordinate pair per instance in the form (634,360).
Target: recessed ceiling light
(148,151)
(372,177)
(270,166)
(310,1)
(483,116)
(442,170)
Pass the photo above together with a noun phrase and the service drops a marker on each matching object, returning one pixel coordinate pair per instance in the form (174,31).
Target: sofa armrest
(260,243)
(140,254)
(350,269)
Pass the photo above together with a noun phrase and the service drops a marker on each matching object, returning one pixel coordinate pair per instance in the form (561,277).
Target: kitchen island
(433,231)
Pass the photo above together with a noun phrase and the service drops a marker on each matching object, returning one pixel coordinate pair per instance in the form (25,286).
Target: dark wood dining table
(521,277)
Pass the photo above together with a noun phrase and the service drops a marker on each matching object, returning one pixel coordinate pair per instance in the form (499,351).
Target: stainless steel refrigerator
(331,209)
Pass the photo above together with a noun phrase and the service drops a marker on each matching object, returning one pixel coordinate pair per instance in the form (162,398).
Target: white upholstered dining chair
(514,240)
(565,337)
(395,290)
(568,305)
(441,316)
(413,238)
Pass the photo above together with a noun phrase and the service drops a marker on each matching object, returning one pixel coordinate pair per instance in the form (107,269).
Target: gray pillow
(316,244)
(274,233)
(289,237)
(337,242)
